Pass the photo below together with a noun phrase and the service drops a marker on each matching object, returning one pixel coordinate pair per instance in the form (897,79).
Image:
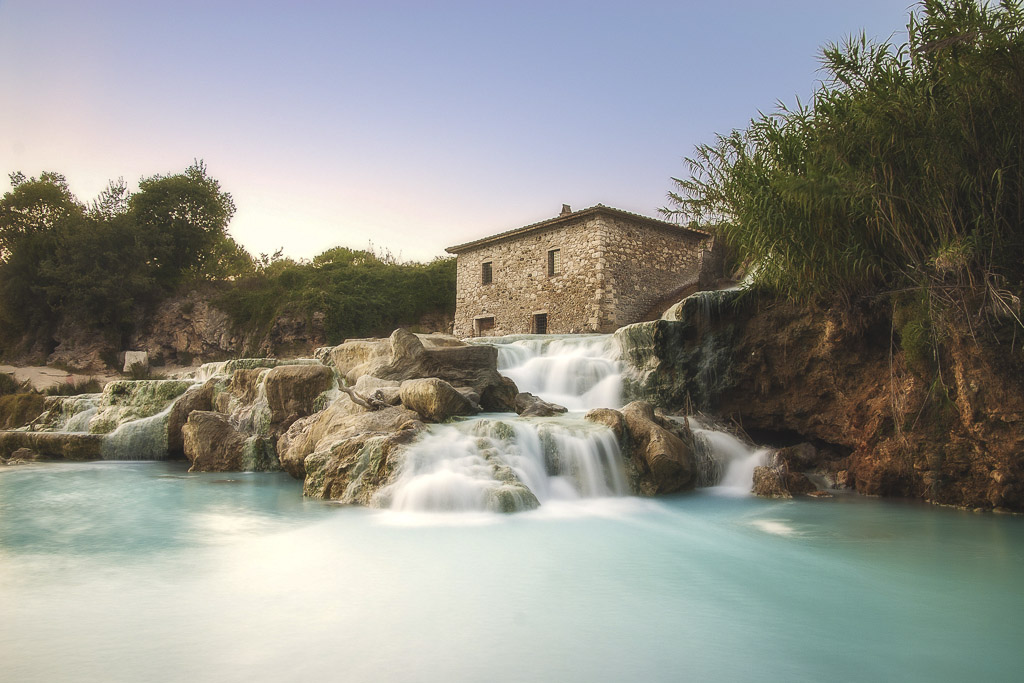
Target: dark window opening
(486,274)
(554,262)
(483,326)
(540,323)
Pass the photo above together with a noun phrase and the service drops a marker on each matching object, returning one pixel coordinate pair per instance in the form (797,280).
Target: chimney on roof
(566,210)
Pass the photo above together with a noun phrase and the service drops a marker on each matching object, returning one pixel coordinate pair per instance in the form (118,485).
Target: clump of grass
(17,410)
(85,386)
(8,385)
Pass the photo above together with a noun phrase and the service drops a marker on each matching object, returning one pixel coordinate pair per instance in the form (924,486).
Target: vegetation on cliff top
(905,171)
(106,264)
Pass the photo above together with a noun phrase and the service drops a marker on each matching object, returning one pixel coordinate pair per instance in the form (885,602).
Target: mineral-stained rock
(609,418)
(404,356)
(660,452)
(776,480)
(198,397)
(354,469)
(386,391)
(53,445)
(245,383)
(435,400)
(770,482)
(292,389)
(528,405)
(340,421)
(212,444)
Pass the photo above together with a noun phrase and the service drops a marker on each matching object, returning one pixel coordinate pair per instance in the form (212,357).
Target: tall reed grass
(905,170)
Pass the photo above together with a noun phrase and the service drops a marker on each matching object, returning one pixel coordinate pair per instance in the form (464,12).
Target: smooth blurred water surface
(141,572)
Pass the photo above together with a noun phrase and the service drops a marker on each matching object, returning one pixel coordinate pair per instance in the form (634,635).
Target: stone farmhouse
(593,270)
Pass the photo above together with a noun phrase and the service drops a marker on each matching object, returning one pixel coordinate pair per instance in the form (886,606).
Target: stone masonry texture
(614,266)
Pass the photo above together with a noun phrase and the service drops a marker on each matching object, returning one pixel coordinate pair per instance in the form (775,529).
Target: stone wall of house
(521,287)
(645,264)
(613,270)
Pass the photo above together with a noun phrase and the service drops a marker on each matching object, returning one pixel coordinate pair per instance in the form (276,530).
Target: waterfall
(579,372)
(509,463)
(142,439)
(724,462)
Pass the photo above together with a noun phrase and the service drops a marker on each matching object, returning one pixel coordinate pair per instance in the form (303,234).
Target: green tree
(182,218)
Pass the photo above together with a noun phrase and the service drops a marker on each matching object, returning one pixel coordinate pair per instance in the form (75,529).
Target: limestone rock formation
(610,418)
(291,390)
(354,469)
(659,452)
(340,421)
(212,444)
(435,400)
(775,480)
(838,378)
(528,405)
(198,397)
(404,356)
(53,445)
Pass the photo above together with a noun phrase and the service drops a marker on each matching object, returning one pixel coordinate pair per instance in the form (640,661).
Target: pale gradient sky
(414,125)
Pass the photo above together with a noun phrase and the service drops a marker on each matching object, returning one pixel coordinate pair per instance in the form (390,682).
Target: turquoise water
(141,572)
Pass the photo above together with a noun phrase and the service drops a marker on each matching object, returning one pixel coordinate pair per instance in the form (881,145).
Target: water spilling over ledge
(397,423)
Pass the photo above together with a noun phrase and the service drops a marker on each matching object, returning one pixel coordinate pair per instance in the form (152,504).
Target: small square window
(554,262)
(483,326)
(486,274)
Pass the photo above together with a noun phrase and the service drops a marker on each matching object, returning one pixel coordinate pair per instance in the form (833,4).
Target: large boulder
(775,480)
(610,418)
(528,405)
(386,391)
(198,397)
(340,421)
(435,400)
(404,356)
(661,452)
(292,389)
(354,469)
(212,444)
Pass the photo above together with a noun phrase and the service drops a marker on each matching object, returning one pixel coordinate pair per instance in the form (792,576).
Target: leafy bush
(905,170)
(358,292)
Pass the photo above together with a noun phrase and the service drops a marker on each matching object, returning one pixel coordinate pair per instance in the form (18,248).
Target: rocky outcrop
(435,400)
(660,457)
(198,397)
(341,421)
(405,356)
(528,405)
(212,444)
(53,445)
(355,469)
(838,379)
(292,390)
(776,480)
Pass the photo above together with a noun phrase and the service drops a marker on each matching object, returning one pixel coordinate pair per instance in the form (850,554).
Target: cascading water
(508,464)
(579,372)
(724,462)
(505,463)
(501,463)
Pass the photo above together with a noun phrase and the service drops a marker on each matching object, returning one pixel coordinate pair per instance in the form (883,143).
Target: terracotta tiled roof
(553,222)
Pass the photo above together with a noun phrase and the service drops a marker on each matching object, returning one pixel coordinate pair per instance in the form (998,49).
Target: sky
(409,126)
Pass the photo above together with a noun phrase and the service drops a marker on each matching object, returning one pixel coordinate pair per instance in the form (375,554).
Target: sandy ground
(42,377)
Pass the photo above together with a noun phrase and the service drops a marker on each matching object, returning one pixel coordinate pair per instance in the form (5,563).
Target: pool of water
(142,572)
